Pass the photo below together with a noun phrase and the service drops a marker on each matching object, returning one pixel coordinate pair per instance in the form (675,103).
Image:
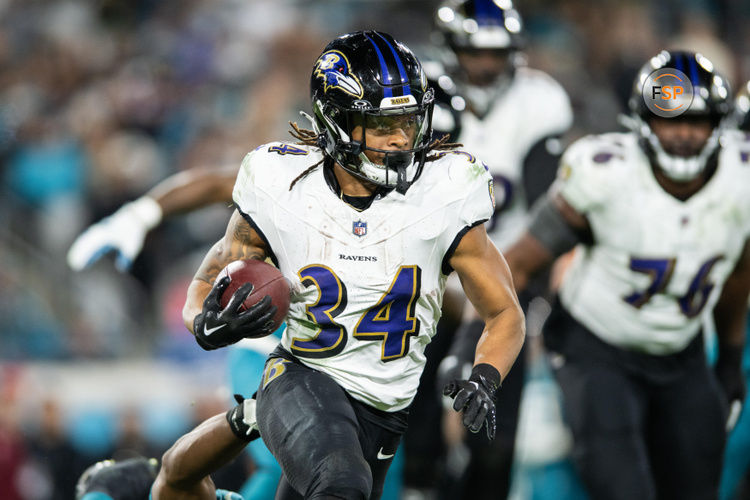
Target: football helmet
(129,479)
(369,79)
(480,24)
(474,27)
(742,108)
(712,98)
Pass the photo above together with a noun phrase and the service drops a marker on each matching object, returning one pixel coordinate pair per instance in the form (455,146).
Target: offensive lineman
(366,219)
(660,218)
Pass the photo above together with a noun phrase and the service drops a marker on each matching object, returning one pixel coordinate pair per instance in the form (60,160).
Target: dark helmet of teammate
(484,38)
(742,108)
(129,479)
(480,24)
(712,99)
(369,79)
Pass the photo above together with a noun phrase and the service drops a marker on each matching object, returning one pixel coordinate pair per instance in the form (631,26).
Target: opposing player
(660,219)
(185,467)
(366,218)
(512,117)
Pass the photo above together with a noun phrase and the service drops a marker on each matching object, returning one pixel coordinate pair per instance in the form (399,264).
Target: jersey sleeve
(479,204)
(471,178)
(244,195)
(253,196)
(582,177)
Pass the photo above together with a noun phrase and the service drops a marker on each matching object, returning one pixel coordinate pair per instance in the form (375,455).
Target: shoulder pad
(590,168)
(273,166)
(545,101)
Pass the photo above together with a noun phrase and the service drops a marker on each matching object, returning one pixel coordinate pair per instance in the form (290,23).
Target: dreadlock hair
(306,137)
(439,147)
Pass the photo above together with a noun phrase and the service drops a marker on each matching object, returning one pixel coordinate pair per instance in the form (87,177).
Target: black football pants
(328,444)
(645,427)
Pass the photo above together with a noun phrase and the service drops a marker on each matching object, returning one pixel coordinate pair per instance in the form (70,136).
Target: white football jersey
(657,262)
(367,286)
(531,109)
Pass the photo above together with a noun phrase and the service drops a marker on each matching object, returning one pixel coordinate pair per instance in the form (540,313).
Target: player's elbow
(173,473)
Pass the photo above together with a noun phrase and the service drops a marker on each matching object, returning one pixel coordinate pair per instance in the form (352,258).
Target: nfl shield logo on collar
(359,228)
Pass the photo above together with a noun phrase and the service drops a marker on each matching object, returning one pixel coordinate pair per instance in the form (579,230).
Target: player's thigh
(309,425)
(687,436)
(379,446)
(605,410)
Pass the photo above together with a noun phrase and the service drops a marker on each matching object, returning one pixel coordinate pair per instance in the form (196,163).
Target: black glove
(242,419)
(728,371)
(476,397)
(215,327)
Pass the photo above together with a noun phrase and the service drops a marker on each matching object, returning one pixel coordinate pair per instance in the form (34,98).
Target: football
(267,281)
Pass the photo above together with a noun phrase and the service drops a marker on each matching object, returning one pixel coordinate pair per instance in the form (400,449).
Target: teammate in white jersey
(660,219)
(366,218)
(512,117)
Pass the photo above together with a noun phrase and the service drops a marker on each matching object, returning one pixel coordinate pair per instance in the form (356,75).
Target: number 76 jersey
(657,262)
(367,286)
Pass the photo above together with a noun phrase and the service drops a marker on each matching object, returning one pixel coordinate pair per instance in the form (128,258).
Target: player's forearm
(730,329)
(502,339)
(196,294)
(193,189)
(525,258)
(212,264)
(200,452)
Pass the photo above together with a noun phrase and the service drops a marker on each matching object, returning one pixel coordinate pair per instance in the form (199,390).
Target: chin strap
(399,161)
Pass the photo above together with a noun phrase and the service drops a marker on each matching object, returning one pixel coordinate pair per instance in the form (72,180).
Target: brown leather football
(266,279)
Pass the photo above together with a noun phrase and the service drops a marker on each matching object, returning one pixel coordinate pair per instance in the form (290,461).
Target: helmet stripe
(485,12)
(694,78)
(405,89)
(678,62)
(388,92)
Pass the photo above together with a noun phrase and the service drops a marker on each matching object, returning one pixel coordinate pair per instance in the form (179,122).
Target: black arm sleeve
(549,226)
(540,167)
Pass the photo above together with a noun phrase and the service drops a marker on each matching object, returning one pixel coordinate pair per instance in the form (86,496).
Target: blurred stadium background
(99,100)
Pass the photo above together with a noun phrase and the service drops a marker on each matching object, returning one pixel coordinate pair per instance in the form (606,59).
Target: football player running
(659,218)
(366,217)
(512,117)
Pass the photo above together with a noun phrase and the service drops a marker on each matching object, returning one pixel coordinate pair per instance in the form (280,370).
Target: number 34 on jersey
(390,321)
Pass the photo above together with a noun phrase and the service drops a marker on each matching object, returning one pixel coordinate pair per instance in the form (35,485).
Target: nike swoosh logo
(383,456)
(209,331)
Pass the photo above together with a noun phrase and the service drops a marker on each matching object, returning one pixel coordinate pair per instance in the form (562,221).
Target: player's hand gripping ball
(248,300)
